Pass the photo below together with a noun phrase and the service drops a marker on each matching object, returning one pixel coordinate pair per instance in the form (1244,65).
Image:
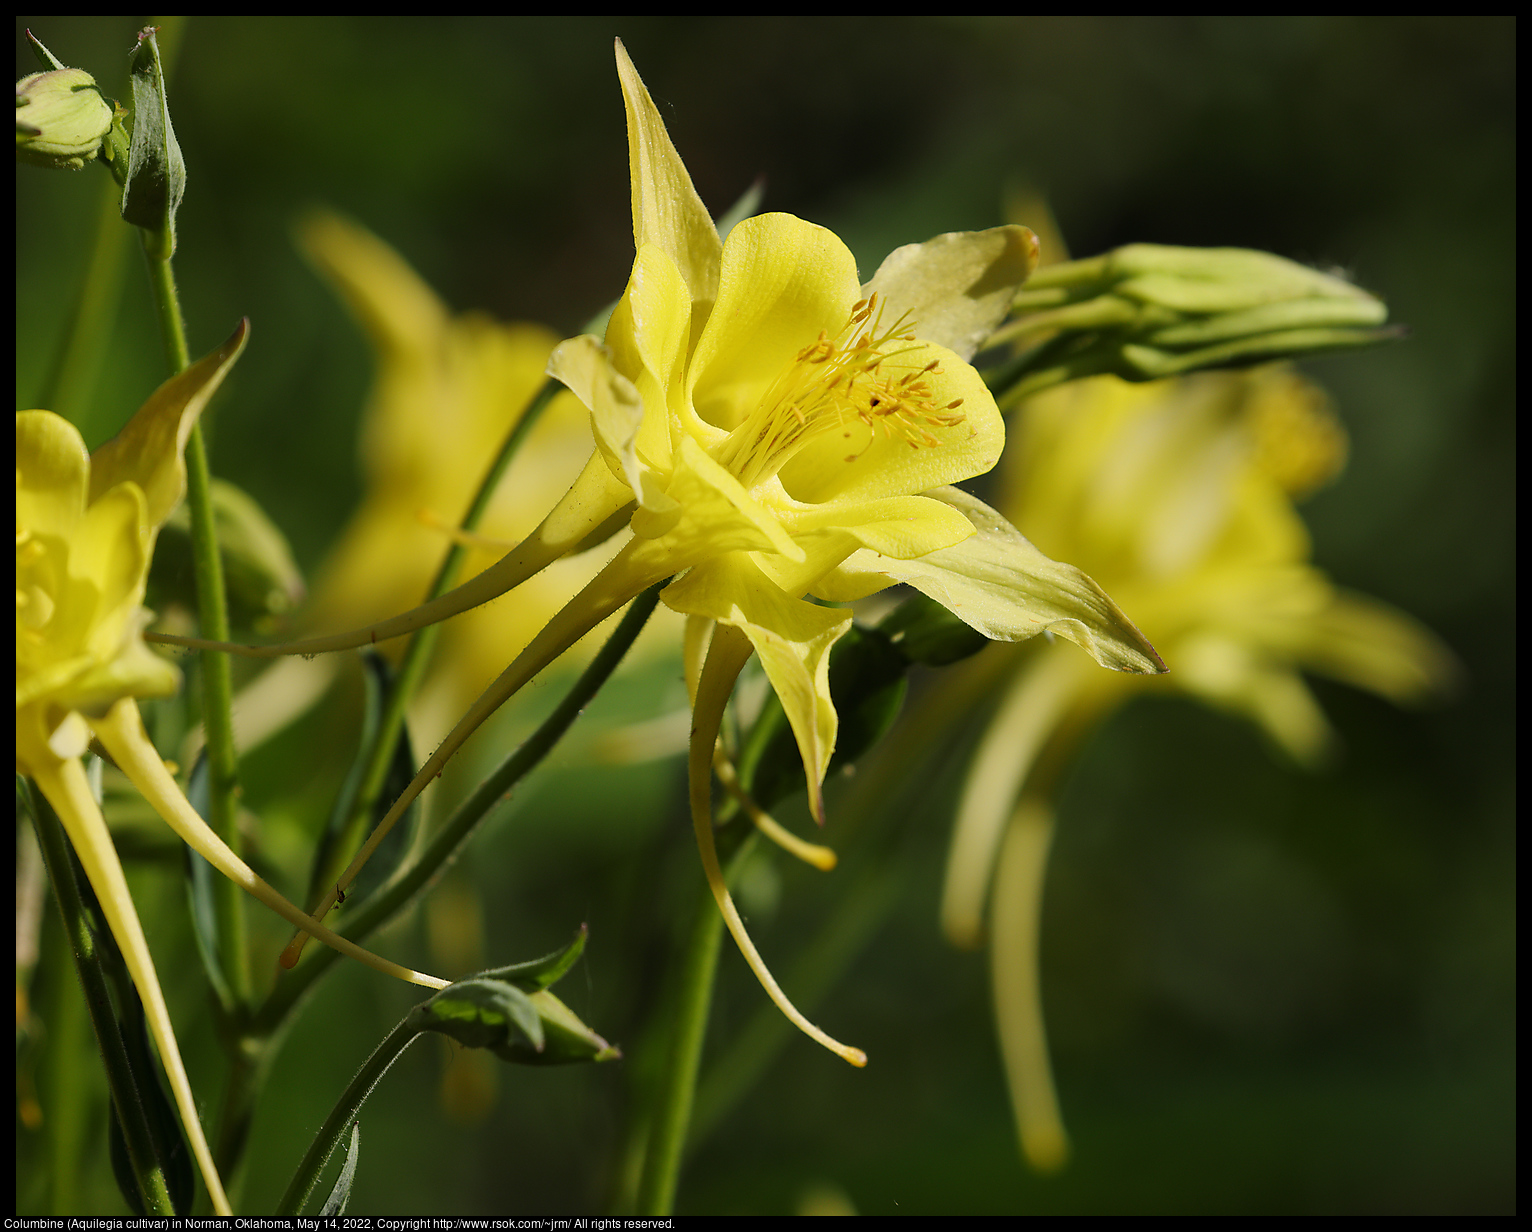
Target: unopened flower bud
(1147,311)
(61,118)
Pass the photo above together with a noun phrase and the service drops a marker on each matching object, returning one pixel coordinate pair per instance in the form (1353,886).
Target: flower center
(854,378)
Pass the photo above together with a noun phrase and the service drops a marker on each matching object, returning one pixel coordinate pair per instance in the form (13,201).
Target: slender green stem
(454,832)
(217,673)
(688,1015)
(131,1114)
(351,1099)
(418,652)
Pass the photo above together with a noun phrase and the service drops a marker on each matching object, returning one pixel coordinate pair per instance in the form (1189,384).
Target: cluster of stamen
(834,383)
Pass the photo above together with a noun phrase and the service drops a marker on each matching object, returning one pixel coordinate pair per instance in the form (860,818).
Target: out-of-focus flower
(447,391)
(86,525)
(1177,496)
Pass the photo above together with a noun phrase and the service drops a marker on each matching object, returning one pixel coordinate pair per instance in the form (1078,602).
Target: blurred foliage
(1267,992)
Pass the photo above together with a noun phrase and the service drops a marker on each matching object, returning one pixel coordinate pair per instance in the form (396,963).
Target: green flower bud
(263,580)
(511,1012)
(1147,311)
(61,118)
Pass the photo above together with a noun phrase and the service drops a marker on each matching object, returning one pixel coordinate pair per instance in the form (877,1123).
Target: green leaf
(335,1204)
(48,60)
(346,830)
(481,1013)
(201,892)
(542,972)
(172,1156)
(156,179)
(923,631)
(510,1011)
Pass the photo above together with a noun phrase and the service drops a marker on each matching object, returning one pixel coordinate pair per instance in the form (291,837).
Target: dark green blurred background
(1267,992)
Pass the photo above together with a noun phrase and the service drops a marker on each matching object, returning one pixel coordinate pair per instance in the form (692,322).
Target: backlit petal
(666,208)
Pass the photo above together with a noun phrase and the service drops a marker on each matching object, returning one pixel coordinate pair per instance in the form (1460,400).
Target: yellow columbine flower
(446,392)
(778,430)
(85,531)
(1177,495)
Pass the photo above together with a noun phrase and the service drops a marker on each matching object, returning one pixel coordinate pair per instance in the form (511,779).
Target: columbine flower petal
(1005,588)
(666,208)
(959,286)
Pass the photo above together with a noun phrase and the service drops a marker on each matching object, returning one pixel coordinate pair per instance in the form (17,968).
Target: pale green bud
(1147,311)
(61,118)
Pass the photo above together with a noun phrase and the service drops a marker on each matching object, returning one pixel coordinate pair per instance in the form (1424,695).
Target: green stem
(131,1113)
(688,1015)
(372,913)
(351,1099)
(418,652)
(217,673)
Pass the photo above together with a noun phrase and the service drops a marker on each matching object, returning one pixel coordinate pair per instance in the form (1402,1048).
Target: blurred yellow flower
(86,526)
(1176,496)
(447,391)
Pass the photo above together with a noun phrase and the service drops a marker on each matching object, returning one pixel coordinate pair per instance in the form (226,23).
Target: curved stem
(372,913)
(351,1099)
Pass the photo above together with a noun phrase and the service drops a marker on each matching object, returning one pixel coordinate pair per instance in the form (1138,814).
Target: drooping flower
(781,434)
(86,525)
(1178,496)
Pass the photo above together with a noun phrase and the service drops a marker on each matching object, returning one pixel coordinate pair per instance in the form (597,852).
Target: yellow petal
(712,514)
(616,411)
(959,286)
(401,314)
(52,474)
(1374,646)
(1239,677)
(783,280)
(63,783)
(1005,588)
(666,208)
(648,334)
(903,455)
(792,639)
(148,451)
(901,526)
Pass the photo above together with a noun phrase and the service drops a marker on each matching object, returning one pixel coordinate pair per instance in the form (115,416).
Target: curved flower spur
(777,430)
